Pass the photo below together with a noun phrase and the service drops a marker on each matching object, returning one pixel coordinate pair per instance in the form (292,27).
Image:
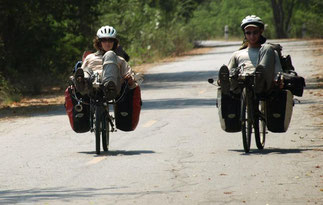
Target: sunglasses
(251,32)
(110,40)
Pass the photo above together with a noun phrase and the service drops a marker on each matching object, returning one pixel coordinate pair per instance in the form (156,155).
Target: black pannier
(279,108)
(229,109)
(294,83)
(291,80)
(78,114)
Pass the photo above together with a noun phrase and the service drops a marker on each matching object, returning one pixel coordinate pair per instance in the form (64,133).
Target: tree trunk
(282,16)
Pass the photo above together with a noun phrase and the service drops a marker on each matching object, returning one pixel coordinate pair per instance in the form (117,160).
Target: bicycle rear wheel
(105,131)
(98,128)
(260,125)
(246,121)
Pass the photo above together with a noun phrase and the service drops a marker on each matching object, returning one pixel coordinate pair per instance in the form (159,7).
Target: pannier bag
(78,114)
(294,83)
(229,110)
(279,108)
(127,109)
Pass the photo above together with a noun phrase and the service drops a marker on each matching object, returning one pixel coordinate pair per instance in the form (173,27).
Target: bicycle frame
(250,113)
(97,100)
(100,118)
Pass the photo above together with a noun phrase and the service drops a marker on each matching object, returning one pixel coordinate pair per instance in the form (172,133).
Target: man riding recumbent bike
(248,111)
(257,87)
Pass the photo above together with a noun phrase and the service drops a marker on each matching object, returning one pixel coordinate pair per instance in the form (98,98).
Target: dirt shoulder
(314,82)
(46,102)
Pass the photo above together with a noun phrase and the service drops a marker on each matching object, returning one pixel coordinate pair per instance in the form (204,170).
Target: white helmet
(252,20)
(106,32)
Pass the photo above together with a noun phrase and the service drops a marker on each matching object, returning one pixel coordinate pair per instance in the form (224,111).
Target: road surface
(177,155)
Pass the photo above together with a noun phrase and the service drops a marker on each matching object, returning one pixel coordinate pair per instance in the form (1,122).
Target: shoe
(110,90)
(234,73)
(79,80)
(224,79)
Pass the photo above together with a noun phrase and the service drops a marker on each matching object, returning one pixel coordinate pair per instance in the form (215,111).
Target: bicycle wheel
(246,121)
(105,131)
(260,125)
(98,128)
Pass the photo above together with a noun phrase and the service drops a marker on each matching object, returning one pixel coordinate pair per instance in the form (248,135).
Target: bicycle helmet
(106,32)
(252,20)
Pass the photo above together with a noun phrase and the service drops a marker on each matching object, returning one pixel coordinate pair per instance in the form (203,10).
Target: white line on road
(149,123)
(96,160)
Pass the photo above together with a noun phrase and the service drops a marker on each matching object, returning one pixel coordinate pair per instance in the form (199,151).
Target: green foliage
(8,94)
(308,18)
(210,18)
(149,29)
(40,38)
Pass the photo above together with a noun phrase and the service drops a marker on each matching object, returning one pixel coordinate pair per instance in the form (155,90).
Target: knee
(267,49)
(110,56)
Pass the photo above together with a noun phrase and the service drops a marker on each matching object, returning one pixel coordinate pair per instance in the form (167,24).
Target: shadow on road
(172,80)
(32,111)
(177,103)
(272,151)
(121,152)
(63,194)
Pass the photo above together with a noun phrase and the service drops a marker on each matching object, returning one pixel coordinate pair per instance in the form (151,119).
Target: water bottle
(139,78)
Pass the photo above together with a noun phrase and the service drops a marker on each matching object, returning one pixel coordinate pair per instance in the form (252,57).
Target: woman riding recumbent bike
(87,91)
(92,112)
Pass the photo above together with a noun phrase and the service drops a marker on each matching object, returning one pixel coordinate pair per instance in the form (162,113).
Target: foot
(224,79)
(110,90)
(79,79)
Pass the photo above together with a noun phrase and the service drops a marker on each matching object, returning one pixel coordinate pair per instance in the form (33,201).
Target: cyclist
(113,69)
(254,55)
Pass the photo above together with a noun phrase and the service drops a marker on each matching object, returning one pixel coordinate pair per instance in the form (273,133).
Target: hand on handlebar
(130,79)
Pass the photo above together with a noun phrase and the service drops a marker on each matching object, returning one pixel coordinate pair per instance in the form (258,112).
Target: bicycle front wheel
(105,131)
(260,133)
(246,121)
(98,128)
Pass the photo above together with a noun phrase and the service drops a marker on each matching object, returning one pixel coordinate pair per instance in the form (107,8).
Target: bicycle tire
(98,128)
(260,133)
(246,121)
(105,131)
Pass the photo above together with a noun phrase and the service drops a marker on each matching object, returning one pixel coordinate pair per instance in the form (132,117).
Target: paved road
(177,155)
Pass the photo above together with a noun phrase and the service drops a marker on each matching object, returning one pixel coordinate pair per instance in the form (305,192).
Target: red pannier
(78,114)
(127,109)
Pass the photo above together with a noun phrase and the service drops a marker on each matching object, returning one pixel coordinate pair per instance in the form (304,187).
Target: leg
(265,69)
(111,75)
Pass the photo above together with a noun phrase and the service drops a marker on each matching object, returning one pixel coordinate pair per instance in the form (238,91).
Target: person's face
(252,35)
(107,43)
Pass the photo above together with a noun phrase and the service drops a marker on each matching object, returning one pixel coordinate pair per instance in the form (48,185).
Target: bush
(7,94)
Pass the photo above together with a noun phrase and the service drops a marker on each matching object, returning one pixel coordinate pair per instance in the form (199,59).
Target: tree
(282,13)
(39,40)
